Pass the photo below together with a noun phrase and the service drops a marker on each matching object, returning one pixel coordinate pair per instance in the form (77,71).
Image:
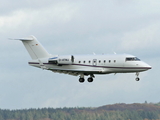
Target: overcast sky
(78,27)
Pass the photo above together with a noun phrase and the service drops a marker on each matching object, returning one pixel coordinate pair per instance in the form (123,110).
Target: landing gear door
(94,62)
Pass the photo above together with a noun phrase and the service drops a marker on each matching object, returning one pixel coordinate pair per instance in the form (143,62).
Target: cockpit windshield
(132,59)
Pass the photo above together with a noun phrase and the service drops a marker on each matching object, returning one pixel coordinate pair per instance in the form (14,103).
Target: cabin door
(94,62)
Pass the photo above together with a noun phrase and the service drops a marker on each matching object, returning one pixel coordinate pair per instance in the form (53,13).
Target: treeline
(108,112)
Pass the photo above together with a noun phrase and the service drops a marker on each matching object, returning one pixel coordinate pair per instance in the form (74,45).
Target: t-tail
(34,48)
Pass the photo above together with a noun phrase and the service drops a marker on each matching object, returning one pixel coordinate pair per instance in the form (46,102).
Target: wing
(66,72)
(72,72)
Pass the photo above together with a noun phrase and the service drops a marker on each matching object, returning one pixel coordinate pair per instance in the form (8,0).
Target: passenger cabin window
(104,61)
(79,61)
(132,59)
(109,61)
(99,61)
(89,61)
(114,60)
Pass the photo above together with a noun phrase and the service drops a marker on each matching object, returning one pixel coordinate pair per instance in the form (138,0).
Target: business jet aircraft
(82,65)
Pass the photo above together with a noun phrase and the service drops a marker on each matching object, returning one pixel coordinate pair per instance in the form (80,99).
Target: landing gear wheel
(90,79)
(137,79)
(81,80)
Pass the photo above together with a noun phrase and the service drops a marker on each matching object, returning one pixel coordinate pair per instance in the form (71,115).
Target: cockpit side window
(132,59)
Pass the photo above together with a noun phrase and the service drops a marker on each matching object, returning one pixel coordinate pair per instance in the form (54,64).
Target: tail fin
(34,48)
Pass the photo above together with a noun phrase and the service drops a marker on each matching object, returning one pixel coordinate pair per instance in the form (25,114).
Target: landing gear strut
(137,78)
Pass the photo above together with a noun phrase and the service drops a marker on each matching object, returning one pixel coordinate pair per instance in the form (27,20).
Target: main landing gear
(81,79)
(137,78)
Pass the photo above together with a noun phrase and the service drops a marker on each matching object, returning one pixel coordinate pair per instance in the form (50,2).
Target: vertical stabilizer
(34,48)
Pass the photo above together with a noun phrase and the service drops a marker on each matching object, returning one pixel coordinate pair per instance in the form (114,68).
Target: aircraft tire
(81,80)
(90,79)
(137,79)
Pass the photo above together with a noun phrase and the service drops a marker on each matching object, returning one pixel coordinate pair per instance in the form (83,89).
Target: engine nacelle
(62,60)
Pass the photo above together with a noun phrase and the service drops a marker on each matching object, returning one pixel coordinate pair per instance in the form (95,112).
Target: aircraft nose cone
(147,66)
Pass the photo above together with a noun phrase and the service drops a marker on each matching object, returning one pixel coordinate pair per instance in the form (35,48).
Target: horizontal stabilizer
(23,39)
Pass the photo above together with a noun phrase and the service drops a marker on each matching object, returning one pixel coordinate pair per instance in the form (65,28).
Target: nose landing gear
(137,78)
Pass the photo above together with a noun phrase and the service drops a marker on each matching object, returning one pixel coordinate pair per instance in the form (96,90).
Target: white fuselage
(92,64)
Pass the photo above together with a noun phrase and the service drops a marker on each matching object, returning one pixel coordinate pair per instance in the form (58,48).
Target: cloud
(27,18)
(142,39)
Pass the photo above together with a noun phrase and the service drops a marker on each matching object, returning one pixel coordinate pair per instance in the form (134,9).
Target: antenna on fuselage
(114,52)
